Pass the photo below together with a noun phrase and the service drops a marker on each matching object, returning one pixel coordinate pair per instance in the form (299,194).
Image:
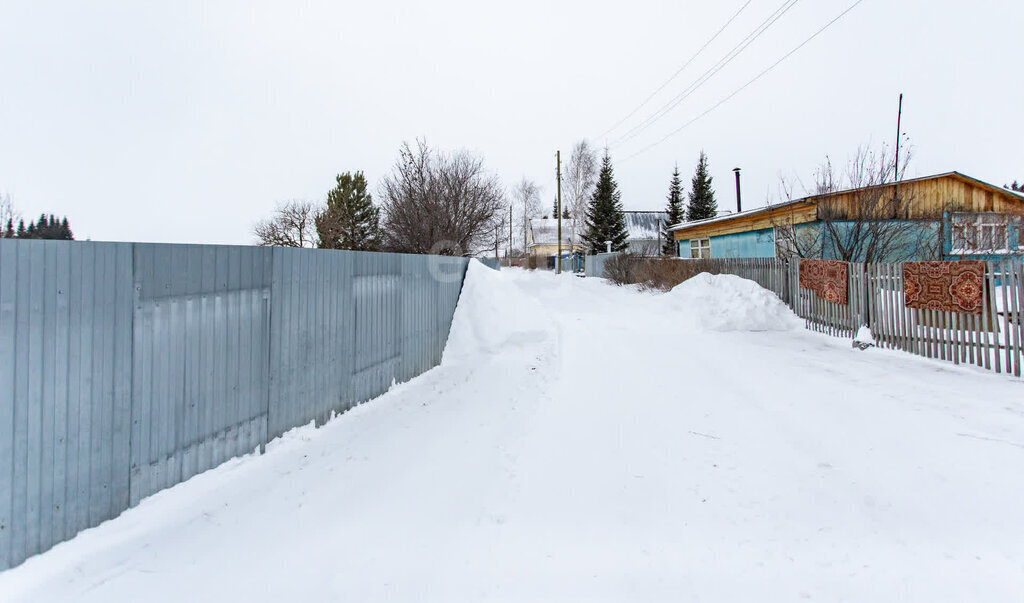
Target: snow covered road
(587,442)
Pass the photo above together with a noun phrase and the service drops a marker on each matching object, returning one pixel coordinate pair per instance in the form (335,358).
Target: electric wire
(748,84)
(707,75)
(678,71)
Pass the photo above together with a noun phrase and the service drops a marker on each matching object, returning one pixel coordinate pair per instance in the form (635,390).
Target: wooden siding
(767,218)
(930,197)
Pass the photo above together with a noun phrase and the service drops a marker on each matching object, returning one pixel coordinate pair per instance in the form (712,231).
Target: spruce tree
(350,221)
(65,230)
(676,213)
(554,208)
(22,232)
(9,231)
(605,220)
(702,195)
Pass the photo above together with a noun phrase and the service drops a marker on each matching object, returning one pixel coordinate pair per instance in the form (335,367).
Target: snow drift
(724,302)
(493,314)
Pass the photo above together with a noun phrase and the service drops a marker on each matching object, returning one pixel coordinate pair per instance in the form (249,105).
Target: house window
(700,249)
(980,233)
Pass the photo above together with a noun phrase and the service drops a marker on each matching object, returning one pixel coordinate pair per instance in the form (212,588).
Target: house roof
(645,224)
(544,231)
(734,216)
(814,199)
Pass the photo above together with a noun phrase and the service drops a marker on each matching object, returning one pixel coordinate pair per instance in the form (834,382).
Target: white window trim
(982,233)
(702,247)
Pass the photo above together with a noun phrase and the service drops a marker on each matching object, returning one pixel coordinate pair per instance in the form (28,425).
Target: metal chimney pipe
(739,205)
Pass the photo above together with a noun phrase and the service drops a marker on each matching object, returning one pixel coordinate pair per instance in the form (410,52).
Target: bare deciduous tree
(863,215)
(578,181)
(442,203)
(526,201)
(292,225)
(9,216)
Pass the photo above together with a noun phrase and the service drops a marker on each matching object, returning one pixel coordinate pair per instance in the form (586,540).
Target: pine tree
(676,213)
(565,213)
(350,221)
(9,231)
(702,195)
(554,208)
(22,232)
(605,220)
(65,230)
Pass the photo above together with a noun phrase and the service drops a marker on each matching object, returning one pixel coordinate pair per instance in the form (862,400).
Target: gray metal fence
(127,368)
(492,263)
(594,264)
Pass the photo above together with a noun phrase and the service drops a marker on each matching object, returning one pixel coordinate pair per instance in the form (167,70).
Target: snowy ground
(587,442)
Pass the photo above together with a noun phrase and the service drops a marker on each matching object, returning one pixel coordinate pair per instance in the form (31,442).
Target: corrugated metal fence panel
(200,360)
(65,363)
(345,325)
(492,263)
(594,264)
(312,332)
(126,368)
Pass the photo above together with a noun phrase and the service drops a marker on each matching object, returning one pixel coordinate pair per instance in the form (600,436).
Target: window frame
(979,233)
(702,247)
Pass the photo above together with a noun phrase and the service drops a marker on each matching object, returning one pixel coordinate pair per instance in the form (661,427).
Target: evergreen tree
(605,220)
(565,213)
(676,213)
(351,220)
(702,195)
(9,231)
(47,227)
(554,208)
(65,230)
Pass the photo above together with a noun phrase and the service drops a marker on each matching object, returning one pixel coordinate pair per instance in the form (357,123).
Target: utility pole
(558,258)
(896,168)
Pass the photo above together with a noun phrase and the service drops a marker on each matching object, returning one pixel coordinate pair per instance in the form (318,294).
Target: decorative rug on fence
(944,286)
(827,278)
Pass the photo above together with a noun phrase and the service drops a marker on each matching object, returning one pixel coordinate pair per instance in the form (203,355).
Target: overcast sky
(186,121)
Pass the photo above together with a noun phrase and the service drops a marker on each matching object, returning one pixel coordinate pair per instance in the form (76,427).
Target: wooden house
(947,216)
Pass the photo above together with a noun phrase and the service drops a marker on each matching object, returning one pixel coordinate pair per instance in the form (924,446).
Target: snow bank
(724,302)
(864,335)
(494,314)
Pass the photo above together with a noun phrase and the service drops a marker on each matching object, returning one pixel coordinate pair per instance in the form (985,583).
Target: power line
(745,86)
(678,71)
(711,72)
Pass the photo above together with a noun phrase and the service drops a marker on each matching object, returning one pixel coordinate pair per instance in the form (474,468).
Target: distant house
(644,229)
(542,238)
(948,216)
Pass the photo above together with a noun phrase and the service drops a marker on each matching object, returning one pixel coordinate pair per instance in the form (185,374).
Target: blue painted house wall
(753,244)
(921,243)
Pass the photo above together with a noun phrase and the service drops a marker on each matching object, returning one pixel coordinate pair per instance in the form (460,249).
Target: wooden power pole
(896,163)
(558,258)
